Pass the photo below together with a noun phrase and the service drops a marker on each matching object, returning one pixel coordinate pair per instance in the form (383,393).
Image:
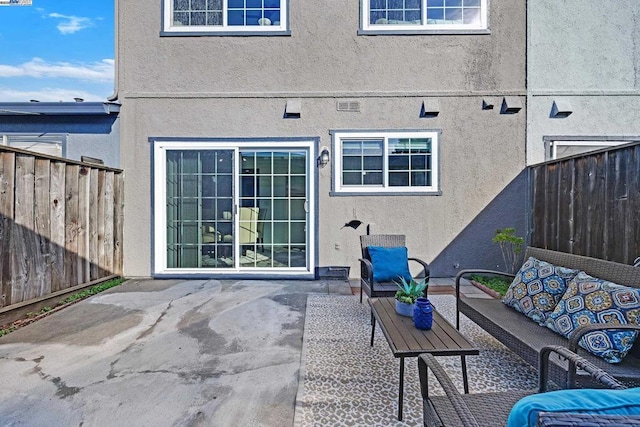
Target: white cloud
(71,24)
(48,95)
(101,71)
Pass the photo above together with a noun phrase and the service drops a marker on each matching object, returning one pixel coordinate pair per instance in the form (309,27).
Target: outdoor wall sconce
(510,105)
(430,108)
(560,109)
(323,158)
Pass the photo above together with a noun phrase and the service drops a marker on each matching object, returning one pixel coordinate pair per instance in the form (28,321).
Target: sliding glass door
(240,209)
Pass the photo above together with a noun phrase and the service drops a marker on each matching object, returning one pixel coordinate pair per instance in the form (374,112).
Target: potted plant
(407,294)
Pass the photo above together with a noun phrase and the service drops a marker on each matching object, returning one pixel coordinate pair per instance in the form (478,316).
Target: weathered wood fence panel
(60,224)
(589,204)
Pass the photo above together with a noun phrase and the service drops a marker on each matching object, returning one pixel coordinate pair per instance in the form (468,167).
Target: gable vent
(349,106)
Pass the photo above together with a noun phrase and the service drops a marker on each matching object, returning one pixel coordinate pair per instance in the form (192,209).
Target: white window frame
(340,136)
(595,144)
(168,26)
(160,148)
(48,144)
(424,26)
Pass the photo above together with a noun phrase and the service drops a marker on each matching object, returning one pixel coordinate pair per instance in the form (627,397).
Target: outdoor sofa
(526,338)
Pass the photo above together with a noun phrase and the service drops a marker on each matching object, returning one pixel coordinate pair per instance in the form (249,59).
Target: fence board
(108,222)
(22,241)
(57,206)
(101,220)
(94,270)
(83,225)
(71,214)
(42,229)
(7,174)
(565,210)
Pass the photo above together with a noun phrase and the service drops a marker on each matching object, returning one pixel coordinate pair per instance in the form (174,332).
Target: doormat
(346,382)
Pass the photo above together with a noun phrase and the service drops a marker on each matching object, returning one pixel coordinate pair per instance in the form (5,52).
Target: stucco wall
(238,87)
(477,161)
(585,52)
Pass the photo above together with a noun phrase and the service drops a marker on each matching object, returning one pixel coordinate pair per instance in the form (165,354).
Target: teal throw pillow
(537,288)
(389,263)
(591,300)
(590,401)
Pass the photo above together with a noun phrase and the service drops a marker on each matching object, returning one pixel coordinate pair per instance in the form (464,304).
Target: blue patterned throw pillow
(591,300)
(537,288)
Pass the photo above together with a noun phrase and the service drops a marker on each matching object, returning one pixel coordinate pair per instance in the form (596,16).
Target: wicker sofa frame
(492,409)
(382,289)
(526,338)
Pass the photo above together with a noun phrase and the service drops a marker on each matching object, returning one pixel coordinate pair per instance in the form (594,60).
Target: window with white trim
(50,144)
(416,15)
(392,162)
(559,149)
(225,16)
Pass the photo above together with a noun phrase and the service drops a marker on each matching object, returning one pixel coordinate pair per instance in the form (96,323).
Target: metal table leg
(465,380)
(401,391)
(373,329)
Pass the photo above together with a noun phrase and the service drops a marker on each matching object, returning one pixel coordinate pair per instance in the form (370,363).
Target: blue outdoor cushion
(389,263)
(590,300)
(592,401)
(537,288)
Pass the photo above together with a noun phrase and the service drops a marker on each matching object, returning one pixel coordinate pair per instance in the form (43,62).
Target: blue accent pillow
(537,288)
(591,300)
(389,263)
(590,401)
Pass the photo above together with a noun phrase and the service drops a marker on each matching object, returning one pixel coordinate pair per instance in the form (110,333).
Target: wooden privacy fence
(589,204)
(60,224)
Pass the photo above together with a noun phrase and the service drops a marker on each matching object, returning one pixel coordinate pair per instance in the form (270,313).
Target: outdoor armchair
(387,288)
(484,409)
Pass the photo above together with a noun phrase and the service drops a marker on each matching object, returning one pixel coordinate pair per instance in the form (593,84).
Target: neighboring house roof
(59,108)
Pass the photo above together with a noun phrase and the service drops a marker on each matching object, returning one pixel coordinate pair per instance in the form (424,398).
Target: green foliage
(510,246)
(409,291)
(5,331)
(75,297)
(92,291)
(497,283)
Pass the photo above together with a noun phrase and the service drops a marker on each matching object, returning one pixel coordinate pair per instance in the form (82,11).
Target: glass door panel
(199,209)
(273,190)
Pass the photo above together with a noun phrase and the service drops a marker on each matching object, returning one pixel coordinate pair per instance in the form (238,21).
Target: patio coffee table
(406,340)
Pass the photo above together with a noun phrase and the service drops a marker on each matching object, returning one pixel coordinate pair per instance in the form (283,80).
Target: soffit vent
(349,106)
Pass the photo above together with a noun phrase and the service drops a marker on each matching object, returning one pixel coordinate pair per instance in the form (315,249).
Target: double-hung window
(423,16)
(225,16)
(385,162)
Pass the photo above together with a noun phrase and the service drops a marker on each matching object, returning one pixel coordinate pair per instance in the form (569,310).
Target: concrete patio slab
(160,353)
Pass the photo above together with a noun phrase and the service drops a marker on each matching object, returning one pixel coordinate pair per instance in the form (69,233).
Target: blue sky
(57,50)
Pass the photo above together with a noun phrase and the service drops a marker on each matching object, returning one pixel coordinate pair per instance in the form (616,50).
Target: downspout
(114,96)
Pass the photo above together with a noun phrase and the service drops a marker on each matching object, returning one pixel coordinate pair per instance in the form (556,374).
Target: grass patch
(497,283)
(30,316)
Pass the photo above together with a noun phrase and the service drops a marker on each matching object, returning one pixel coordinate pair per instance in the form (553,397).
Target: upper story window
(385,162)
(225,16)
(424,16)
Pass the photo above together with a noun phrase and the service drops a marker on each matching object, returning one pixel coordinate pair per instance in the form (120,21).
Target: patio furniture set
(538,288)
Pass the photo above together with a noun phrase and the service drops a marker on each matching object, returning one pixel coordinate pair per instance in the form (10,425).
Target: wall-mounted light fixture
(323,158)
(560,109)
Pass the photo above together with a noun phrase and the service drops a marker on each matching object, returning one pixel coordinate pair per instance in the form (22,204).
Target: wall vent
(349,106)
